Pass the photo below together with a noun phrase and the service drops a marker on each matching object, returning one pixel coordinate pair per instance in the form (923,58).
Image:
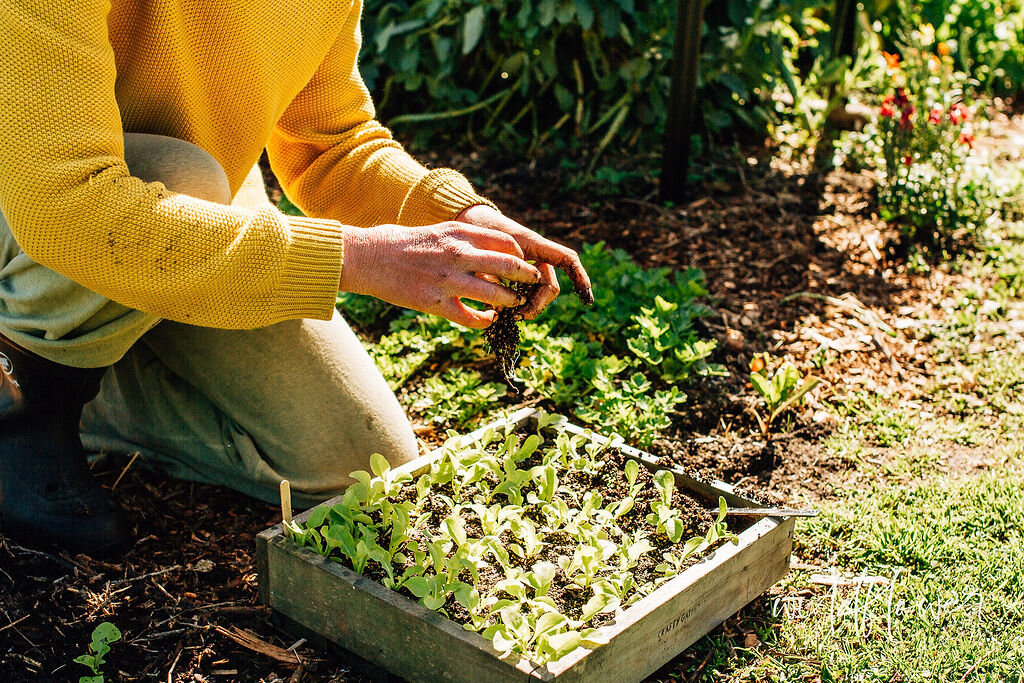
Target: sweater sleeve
(73,206)
(335,161)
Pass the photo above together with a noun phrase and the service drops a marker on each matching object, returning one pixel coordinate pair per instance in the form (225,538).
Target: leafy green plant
(500,507)
(784,388)
(619,365)
(456,397)
(102,636)
(587,75)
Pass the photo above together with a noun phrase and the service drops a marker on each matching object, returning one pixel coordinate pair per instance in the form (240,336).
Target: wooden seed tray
(398,634)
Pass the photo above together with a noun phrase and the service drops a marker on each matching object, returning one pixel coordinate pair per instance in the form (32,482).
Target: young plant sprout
(532,542)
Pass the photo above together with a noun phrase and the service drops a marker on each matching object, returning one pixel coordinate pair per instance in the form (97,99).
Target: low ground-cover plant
(781,387)
(532,541)
(102,636)
(619,365)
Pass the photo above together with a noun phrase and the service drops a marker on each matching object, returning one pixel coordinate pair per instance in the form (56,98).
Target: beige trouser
(300,400)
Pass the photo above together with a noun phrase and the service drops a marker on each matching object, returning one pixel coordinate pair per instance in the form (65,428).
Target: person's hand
(431,268)
(546,254)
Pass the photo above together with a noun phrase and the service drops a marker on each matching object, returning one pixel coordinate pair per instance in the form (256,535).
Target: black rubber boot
(48,496)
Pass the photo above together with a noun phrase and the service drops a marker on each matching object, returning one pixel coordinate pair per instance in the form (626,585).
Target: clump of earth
(503,334)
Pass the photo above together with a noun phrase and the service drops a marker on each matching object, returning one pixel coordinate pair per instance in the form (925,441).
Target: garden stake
(768,512)
(286,501)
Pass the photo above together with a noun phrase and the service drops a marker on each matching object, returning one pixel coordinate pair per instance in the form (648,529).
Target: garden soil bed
(185,596)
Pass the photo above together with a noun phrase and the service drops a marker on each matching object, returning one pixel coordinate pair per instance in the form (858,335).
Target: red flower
(966,139)
(908,160)
(959,113)
(935,115)
(887,111)
(900,99)
(905,122)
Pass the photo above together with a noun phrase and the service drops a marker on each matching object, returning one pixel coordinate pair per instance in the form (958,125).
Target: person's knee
(320,467)
(180,165)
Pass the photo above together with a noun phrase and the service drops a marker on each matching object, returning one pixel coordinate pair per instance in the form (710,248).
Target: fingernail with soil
(586,295)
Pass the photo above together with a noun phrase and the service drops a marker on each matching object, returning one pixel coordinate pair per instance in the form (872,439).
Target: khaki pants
(300,400)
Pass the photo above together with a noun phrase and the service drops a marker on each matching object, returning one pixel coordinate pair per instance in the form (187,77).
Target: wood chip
(251,641)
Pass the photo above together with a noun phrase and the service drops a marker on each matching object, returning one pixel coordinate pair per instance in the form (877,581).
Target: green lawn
(928,547)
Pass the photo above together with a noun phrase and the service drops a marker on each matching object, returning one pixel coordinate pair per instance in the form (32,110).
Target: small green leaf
(473,28)
(666,483)
(418,586)
(600,602)
(467,595)
(592,638)
(379,465)
(632,469)
(760,385)
(453,526)
(561,644)
(549,621)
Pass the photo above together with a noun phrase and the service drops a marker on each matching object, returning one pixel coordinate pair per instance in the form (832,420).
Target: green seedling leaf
(466,595)
(760,384)
(561,644)
(691,546)
(666,484)
(548,622)
(418,586)
(455,529)
(632,469)
(317,516)
(600,602)
(541,576)
(808,384)
(528,448)
(87,660)
(379,464)
(592,638)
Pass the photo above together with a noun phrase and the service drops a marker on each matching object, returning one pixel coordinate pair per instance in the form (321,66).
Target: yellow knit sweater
(233,77)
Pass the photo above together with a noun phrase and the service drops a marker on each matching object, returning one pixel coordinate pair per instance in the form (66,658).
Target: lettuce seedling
(431,551)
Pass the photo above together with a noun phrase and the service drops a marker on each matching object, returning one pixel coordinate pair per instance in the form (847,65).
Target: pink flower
(959,113)
(966,139)
(935,115)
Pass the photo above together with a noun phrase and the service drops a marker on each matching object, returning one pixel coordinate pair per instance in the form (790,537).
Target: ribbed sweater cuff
(312,270)
(439,196)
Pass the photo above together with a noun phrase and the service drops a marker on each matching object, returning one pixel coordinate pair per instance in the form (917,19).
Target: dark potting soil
(503,334)
(610,481)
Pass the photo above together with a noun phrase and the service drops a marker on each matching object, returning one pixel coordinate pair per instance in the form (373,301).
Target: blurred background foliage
(580,76)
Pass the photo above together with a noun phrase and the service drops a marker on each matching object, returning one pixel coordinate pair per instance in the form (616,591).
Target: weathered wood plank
(379,624)
(665,623)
